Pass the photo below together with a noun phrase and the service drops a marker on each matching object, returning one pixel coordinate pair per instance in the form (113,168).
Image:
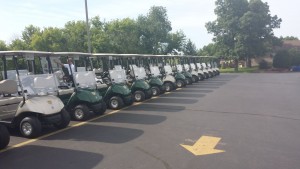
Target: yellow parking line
(74,125)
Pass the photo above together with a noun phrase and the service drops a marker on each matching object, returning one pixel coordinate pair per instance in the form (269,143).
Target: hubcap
(79,114)
(179,84)
(138,97)
(114,103)
(27,128)
(154,92)
(168,88)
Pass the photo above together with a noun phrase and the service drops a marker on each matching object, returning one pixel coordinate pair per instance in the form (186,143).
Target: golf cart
(78,90)
(4,136)
(152,73)
(209,70)
(215,65)
(187,68)
(136,77)
(27,103)
(195,68)
(111,82)
(179,77)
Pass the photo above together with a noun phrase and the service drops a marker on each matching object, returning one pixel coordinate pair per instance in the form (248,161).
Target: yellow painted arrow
(204,146)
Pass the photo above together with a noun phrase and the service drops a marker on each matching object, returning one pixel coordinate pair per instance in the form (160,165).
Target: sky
(189,16)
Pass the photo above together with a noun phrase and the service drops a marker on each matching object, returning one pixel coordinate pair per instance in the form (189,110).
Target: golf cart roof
(70,54)
(23,53)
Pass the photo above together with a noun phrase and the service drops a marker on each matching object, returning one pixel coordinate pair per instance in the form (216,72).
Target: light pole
(88,32)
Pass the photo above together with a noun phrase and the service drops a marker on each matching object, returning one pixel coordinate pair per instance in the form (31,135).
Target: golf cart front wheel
(139,96)
(168,87)
(4,137)
(116,103)
(30,127)
(155,91)
(81,113)
(194,79)
(65,120)
(179,83)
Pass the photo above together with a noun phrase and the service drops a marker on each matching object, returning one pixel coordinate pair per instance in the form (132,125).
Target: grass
(241,70)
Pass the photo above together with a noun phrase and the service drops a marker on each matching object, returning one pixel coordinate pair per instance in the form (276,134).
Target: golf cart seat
(7,88)
(65,91)
(100,86)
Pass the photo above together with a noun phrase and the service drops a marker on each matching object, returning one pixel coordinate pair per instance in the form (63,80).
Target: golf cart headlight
(94,93)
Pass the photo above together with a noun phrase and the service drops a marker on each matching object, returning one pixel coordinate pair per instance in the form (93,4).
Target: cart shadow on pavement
(31,156)
(178,95)
(132,118)
(198,86)
(173,101)
(94,132)
(156,108)
(193,91)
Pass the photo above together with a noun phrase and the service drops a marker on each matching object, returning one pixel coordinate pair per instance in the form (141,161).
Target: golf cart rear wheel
(4,137)
(179,83)
(168,86)
(116,103)
(65,120)
(155,91)
(30,127)
(81,113)
(139,96)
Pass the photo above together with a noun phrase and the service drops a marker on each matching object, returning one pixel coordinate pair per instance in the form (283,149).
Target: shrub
(263,64)
(282,59)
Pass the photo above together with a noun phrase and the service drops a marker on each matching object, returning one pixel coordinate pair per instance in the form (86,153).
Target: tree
(190,48)
(211,49)
(19,44)
(153,29)
(290,38)
(243,29)
(28,33)
(174,41)
(3,46)
(50,39)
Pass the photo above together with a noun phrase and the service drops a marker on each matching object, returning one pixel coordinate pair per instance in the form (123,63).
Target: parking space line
(75,125)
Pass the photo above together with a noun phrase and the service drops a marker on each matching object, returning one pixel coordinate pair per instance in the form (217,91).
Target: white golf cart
(30,102)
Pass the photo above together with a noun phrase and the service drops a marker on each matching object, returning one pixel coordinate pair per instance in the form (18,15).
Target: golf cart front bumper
(96,106)
(128,100)
(51,119)
(148,93)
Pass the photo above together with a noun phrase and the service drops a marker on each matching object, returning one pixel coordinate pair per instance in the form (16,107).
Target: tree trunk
(248,62)
(236,65)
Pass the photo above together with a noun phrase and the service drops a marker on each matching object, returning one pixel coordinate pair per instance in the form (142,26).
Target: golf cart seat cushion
(10,100)
(44,82)
(65,91)
(8,87)
(100,86)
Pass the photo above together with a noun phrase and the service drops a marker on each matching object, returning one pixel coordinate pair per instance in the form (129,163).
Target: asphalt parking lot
(233,121)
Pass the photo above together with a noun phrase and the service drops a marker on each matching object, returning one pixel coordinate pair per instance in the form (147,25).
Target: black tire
(169,86)
(128,103)
(4,137)
(30,127)
(201,77)
(206,75)
(115,103)
(155,91)
(195,79)
(180,83)
(139,96)
(81,113)
(102,110)
(65,120)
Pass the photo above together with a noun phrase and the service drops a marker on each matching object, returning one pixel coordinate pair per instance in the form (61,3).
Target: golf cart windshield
(85,79)
(179,68)
(117,75)
(12,75)
(139,72)
(168,69)
(55,66)
(186,67)
(199,65)
(204,65)
(45,84)
(193,66)
(155,71)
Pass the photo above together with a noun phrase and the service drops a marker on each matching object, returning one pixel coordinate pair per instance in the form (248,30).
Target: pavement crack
(166,165)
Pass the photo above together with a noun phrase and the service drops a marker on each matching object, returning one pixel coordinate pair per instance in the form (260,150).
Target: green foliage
(290,38)
(282,59)
(3,45)
(243,28)
(263,64)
